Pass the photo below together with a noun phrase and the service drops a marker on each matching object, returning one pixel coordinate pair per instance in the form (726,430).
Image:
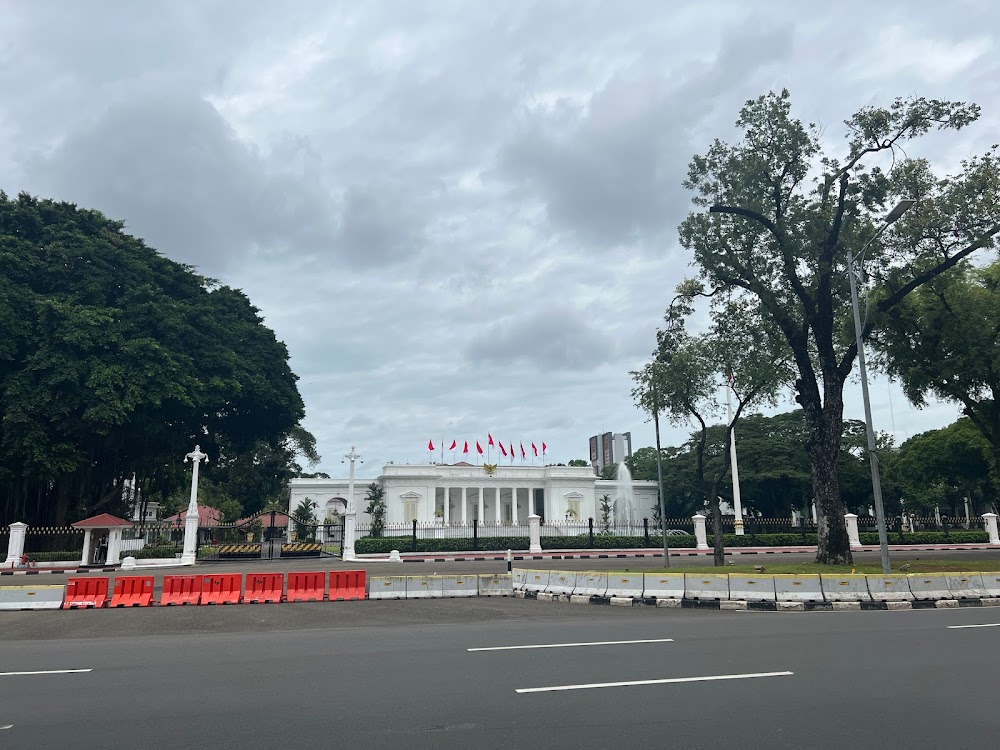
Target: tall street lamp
(350,516)
(191,518)
(883,539)
(659,468)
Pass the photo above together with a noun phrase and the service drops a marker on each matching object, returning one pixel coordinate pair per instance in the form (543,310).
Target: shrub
(929,537)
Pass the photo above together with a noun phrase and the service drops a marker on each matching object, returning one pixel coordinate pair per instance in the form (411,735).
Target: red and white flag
(454,444)
(503,450)
(479,448)
(534,450)
(544,448)
(430,445)
(523,454)
(489,437)
(512,451)
(466,448)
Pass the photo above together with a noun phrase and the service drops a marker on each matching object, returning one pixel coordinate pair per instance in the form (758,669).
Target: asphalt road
(397,674)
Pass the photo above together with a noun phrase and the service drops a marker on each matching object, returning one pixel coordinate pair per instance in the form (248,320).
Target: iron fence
(53,542)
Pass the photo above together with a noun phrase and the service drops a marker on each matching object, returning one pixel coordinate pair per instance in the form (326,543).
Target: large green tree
(782,216)
(944,341)
(115,362)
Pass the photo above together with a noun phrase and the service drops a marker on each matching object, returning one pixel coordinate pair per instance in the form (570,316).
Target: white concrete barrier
(967,585)
(706,586)
(845,587)
(591,584)
(518,578)
(624,586)
(498,585)
(561,582)
(663,585)
(387,587)
(31,597)
(536,580)
(929,585)
(890,588)
(424,587)
(453,586)
(790,587)
(751,588)
(991,582)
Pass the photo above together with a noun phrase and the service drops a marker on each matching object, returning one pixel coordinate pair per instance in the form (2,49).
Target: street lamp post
(350,516)
(659,470)
(190,550)
(883,539)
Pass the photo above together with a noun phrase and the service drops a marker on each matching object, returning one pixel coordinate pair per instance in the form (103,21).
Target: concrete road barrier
(663,585)
(536,580)
(591,584)
(748,588)
(967,585)
(706,586)
(519,577)
(561,582)
(31,597)
(991,582)
(929,585)
(424,587)
(453,586)
(624,586)
(387,587)
(890,588)
(498,585)
(845,587)
(790,587)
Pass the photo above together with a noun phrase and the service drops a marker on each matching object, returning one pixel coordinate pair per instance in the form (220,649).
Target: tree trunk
(833,546)
(718,542)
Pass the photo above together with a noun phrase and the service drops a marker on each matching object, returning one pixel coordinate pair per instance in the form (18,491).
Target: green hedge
(370,545)
(57,556)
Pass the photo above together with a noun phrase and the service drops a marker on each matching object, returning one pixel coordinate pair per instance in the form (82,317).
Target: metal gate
(269,535)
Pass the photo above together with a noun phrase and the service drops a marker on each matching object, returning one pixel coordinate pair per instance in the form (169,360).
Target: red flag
(544,448)
(490,436)
(534,450)
(503,450)
(430,445)
(479,448)
(512,451)
(454,444)
(523,454)
(466,448)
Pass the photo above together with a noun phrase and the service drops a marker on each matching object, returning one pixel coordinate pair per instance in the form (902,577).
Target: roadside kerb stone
(579,599)
(898,605)
(946,603)
(751,588)
(847,605)
(784,606)
(890,588)
(798,588)
(622,601)
(706,586)
(845,588)
(732,604)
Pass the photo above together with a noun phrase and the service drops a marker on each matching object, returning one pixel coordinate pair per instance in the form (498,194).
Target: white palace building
(457,494)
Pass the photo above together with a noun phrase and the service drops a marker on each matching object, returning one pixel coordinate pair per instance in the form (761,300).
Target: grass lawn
(916,566)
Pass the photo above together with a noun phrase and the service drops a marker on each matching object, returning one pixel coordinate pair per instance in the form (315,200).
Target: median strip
(666,681)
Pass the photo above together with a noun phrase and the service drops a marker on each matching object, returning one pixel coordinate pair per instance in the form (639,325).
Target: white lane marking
(988,625)
(48,671)
(571,645)
(670,680)
(6,726)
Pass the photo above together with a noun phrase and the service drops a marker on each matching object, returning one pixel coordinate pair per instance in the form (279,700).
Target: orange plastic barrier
(132,591)
(221,589)
(264,587)
(346,585)
(306,587)
(86,593)
(180,590)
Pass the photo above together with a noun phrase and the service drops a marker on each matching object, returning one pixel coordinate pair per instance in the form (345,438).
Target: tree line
(116,361)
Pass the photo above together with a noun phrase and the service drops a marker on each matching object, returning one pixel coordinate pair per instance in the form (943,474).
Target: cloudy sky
(460,216)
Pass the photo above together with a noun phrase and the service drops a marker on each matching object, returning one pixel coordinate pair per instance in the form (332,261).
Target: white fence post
(15,546)
(989,518)
(853,538)
(534,534)
(699,531)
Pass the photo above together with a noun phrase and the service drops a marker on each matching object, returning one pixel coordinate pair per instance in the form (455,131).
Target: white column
(115,546)
(991,527)
(190,553)
(513,504)
(447,505)
(350,516)
(465,505)
(15,545)
(534,535)
(85,557)
(482,511)
(852,530)
(496,504)
(701,538)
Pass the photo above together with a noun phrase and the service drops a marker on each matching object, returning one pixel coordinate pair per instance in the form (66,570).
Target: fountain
(624,505)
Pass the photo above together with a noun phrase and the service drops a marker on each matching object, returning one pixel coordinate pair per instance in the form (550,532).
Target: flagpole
(737,504)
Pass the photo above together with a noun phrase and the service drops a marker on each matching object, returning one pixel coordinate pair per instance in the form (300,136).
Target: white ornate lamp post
(190,553)
(350,517)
